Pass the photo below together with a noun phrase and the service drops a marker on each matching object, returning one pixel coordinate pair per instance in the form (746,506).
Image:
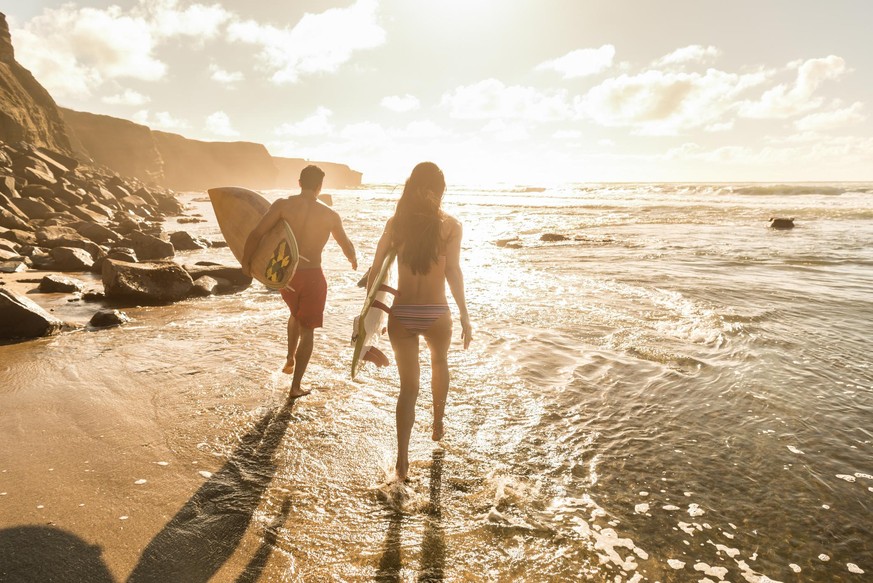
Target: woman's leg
(439,338)
(405,347)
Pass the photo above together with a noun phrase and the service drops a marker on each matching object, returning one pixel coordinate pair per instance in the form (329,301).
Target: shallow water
(675,393)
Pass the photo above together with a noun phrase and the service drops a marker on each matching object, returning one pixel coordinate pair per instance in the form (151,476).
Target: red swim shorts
(306,297)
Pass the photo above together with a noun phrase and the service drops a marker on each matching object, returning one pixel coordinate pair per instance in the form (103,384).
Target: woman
(428,245)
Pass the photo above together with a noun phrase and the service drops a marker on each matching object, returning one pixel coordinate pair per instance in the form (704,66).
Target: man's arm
(339,234)
(266,223)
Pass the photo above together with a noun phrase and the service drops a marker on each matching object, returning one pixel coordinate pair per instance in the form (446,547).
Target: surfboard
(238,211)
(368,326)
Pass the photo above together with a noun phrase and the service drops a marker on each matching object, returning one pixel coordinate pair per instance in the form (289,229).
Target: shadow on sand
(433,546)
(192,547)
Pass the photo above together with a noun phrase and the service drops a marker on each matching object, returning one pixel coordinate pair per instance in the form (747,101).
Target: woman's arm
(455,279)
(379,257)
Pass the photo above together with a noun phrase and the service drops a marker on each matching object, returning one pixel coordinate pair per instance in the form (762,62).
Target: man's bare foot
(289,366)
(400,471)
(297,392)
(438,431)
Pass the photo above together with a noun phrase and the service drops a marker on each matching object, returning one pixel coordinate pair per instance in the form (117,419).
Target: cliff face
(335,175)
(196,165)
(126,147)
(27,111)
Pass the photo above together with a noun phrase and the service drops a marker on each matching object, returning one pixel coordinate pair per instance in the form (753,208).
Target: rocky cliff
(335,175)
(126,147)
(27,111)
(196,165)
(29,114)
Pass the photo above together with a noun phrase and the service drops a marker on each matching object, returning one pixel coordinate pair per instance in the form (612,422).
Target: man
(313,223)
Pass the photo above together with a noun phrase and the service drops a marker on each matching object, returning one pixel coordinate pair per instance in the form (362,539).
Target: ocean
(671,392)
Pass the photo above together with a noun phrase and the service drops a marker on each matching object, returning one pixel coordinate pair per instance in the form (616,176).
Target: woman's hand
(466,330)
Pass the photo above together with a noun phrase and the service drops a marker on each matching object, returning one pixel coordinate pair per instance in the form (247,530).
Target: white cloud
(689,54)
(224,77)
(73,50)
(567,135)
(581,62)
(422,130)
(219,124)
(507,131)
(317,124)
(785,101)
(491,99)
(126,97)
(401,103)
(319,43)
(666,103)
(198,21)
(836,118)
(161,120)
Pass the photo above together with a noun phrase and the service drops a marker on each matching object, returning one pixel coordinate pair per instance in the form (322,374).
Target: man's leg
(293,337)
(301,357)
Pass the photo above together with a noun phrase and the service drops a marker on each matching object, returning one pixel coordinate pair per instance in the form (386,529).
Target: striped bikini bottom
(418,318)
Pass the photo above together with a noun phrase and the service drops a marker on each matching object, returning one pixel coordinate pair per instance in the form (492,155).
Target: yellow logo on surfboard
(279,261)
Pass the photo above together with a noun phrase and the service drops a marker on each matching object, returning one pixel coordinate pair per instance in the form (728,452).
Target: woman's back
(430,287)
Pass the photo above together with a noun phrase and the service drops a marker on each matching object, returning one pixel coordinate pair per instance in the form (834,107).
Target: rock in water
(781,223)
(107,318)
(22,318)
(151,283)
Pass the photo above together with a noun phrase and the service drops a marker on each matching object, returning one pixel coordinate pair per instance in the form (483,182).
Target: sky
(534,92)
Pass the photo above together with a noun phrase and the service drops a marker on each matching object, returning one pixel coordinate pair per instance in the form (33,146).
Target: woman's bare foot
(438,431)
(289,366)
(400,471)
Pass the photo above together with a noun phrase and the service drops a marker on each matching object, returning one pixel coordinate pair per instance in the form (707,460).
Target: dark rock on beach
(183,241)
(230,279)
(107,318)
(146,283)
(553,237)
(53,283)
(22,318)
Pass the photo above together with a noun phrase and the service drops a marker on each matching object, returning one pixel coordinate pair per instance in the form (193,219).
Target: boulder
(204,286)
(12,266)
(65,161)
(125,254)
(148,247)
(54,283)
(781,223)
(148,283)
(7,186)
(40,191)
(52,233)
(35,209)
(96,232)
(183,241)
(10,219)
(71,259)
(108,318)
(19,236)
(22,318)
(234,278)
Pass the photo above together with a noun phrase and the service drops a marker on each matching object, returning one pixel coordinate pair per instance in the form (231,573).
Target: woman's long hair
(417,219)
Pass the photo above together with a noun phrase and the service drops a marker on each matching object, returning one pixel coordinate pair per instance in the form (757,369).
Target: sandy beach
(647,421)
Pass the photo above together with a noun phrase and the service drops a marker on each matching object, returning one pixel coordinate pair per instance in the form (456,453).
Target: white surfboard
(369,325)
(238,211)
